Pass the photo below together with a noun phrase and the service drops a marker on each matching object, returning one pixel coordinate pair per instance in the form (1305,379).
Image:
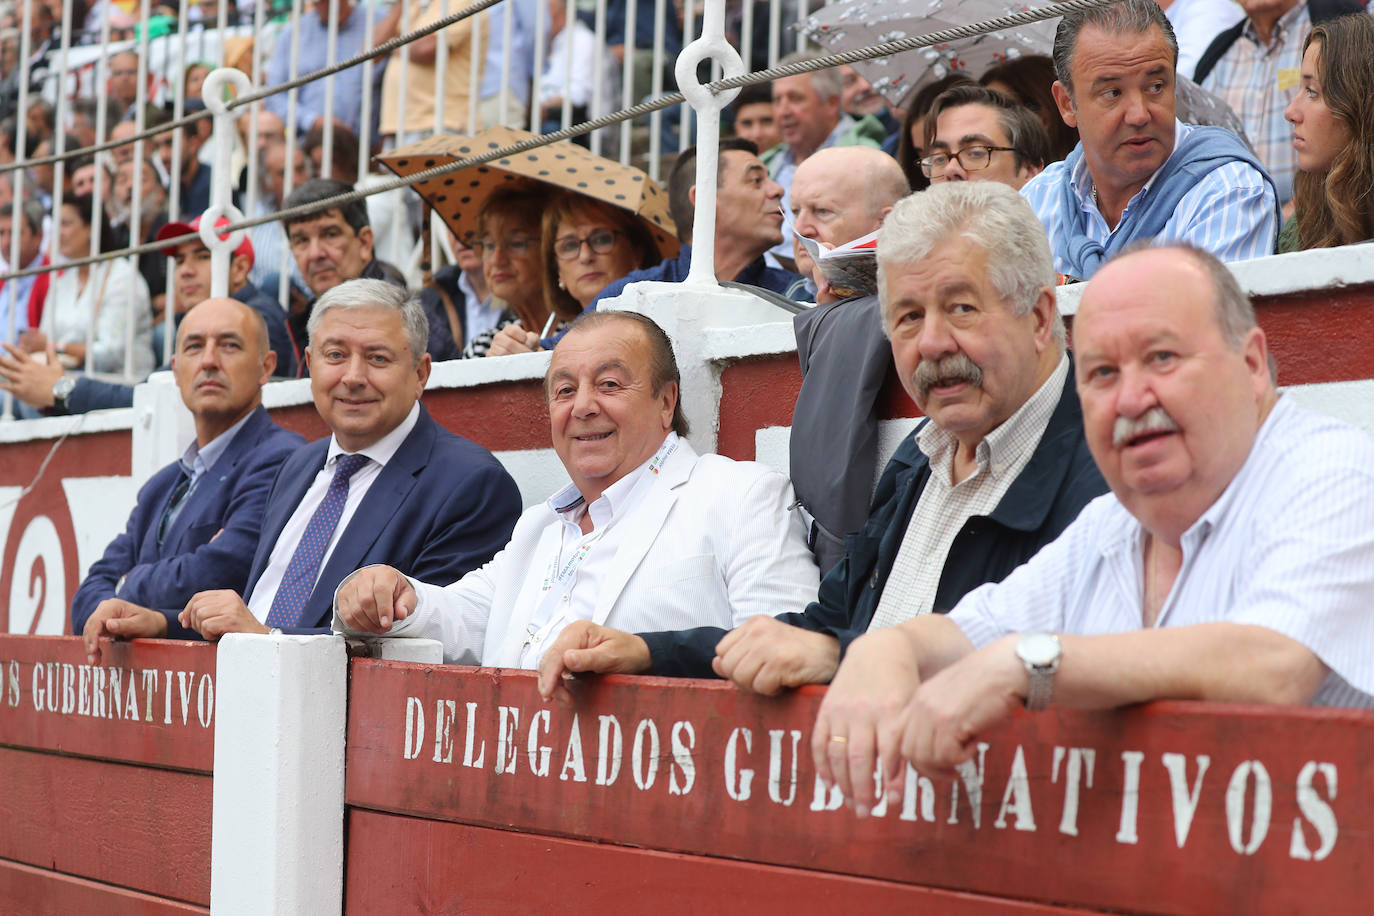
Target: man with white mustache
(1233,560)
(1000,469)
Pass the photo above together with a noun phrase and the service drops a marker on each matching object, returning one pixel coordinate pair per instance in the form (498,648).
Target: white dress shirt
(1288,545)
(381,451)
(574,575)
(709,542)
(944,506)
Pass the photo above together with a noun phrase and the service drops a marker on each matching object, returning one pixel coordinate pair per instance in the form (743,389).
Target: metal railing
(155,83)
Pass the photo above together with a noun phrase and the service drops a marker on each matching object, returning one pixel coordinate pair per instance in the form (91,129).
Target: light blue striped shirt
(1289,545)
(1231,212)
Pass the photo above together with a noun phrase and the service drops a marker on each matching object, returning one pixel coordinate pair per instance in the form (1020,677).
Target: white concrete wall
(277,846)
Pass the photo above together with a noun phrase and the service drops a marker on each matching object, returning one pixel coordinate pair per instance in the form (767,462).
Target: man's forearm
(1224,662)
(936,643)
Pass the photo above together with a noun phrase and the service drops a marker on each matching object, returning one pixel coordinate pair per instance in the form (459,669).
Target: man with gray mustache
(999,469)
(1233,560)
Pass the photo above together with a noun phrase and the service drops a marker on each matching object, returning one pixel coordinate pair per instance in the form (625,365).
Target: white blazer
(713,543)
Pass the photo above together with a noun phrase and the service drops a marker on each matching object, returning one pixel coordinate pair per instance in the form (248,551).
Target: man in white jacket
(648,536)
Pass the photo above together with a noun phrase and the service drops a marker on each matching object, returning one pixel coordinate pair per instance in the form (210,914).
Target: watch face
(63,387)
(1038,648)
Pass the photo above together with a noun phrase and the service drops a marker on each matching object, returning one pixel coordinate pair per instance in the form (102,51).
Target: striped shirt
(1258,81)
(1231,212)
(944,506)
(1289,545)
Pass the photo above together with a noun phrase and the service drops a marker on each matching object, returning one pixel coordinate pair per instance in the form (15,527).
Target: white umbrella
(848,25)
(852,24)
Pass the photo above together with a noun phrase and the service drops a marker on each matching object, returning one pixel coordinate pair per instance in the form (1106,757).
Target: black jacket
(1058,481)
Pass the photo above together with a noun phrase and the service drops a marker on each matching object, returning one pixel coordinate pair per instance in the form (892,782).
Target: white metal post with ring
(710,46)
(221,182)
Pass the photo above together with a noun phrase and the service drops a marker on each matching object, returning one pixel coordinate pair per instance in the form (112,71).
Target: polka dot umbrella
(458,197)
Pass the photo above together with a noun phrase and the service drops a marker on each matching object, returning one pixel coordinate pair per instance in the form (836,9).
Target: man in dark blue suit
(389,486)
(197,520)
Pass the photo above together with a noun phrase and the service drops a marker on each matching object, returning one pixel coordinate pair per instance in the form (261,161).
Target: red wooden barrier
(104,454)
(481,870)
(106,775)
(1170,808)
(506,416)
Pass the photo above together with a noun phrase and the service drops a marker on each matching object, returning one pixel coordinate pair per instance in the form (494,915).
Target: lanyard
(561,573)
(555,574)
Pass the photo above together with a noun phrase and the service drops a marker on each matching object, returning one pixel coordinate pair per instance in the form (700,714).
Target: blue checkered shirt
(1231,211)
(1258,81)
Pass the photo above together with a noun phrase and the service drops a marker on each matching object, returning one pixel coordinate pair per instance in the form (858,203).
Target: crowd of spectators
(1093,526)
(1102,170)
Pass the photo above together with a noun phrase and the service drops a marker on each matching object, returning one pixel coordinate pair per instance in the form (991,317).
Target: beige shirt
(944,506)
(419,78)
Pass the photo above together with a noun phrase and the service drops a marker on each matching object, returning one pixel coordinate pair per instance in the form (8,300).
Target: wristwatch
(1040,653)
(61,390)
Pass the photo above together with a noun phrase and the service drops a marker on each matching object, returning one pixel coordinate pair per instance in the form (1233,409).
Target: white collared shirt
(381,451)
(572,577)
(1288,545)
(944,506)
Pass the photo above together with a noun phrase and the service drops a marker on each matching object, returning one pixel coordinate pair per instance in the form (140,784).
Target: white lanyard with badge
(557,574)
(560,573)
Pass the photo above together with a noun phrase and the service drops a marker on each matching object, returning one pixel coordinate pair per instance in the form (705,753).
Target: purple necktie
(299,580)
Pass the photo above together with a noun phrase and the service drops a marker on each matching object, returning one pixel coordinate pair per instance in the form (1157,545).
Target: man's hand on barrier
(941,724)
(372,598)
(214,613)
(858,724)
(765,655)
(122,620)
(586,647)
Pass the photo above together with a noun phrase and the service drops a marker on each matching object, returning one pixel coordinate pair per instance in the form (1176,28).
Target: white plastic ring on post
(710,46)
(221,183)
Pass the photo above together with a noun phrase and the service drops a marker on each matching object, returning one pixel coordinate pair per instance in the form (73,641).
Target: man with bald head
(1232,561)
(196,521)
(839,194)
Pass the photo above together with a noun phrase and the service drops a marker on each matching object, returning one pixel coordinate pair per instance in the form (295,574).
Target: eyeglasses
(518,246)
(601,241)
(970,159)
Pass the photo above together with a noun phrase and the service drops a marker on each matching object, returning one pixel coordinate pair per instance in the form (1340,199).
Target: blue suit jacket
(441,507)
(211,541)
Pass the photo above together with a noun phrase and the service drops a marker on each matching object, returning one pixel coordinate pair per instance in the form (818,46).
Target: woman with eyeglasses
(1333,136)
(508,242)
(587,246)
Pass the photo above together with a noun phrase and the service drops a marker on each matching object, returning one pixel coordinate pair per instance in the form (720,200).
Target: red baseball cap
(176,229)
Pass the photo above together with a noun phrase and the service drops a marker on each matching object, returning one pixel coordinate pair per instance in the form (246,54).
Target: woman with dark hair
(587,245)
(1028,80)
(91,309)
(910,149)
(1333,137)
(508,239)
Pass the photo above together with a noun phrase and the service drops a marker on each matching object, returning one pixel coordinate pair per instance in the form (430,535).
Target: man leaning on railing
(1232,561)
